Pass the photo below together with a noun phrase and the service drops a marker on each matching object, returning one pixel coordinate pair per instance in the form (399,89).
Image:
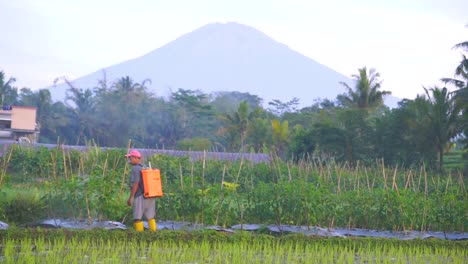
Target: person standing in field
(141,206)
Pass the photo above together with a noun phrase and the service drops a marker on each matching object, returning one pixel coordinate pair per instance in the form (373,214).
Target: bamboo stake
(394,183)
(239,171)
(70,164)
(367,179)
(420,176)
(251,180)
(426,187)
(339,177)
(114,169)
(122,182)
(374,175)
(461,183)
(345,178)
(449,179)
(408,180)
(181,177)
(384,175)
(203,188)
(64,157)
(191,173)
(54,164)
(105,167)
(413,185)
(90,218)
(222,177)
(357,176)
(80,167)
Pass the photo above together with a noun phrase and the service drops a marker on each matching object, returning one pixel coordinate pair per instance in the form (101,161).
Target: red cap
(134,153)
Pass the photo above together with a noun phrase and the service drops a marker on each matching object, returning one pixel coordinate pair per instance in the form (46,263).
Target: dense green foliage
(94,185)
(408,135)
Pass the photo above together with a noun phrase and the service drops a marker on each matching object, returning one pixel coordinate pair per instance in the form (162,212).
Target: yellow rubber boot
(152,224)
(139,226)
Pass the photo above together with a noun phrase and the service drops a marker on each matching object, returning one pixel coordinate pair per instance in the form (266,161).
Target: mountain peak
(227,57)
(228,38)
(229,28)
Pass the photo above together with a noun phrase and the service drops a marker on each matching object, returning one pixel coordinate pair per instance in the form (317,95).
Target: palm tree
(280,135)
(461,71)
(43,102)
(52,117)
(121,111)
(443,115)
(260,133)
(237,125)
(460,81)
(462,68)
(82,104)
(366,94)
(126,85)
(7,91)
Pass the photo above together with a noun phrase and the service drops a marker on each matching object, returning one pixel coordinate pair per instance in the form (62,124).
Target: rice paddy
(239,248)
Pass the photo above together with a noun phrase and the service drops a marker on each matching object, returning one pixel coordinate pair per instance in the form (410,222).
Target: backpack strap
(140,182)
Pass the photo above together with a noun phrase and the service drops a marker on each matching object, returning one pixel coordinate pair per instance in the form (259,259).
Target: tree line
(355,126)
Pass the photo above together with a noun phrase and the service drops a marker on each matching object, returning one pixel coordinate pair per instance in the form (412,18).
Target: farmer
(141,206)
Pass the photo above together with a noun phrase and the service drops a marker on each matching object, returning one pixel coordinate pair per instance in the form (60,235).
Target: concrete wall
(23,117)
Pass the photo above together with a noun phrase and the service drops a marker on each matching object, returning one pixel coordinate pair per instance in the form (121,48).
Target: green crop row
(94,185)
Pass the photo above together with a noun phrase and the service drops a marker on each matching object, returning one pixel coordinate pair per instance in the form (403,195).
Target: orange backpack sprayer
(152,186)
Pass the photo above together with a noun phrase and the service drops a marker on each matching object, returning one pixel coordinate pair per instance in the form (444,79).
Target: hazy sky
(408,42)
